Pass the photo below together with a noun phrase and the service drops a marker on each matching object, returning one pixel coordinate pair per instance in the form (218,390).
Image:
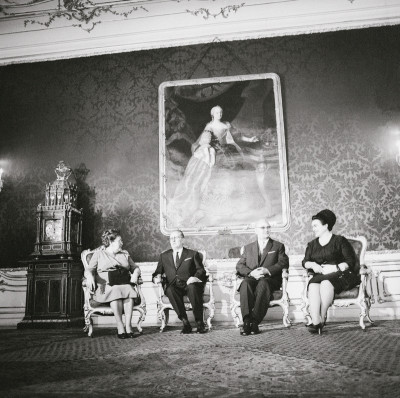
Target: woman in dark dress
(334,263)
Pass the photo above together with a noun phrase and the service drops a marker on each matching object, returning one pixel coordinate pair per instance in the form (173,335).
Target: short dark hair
(109,236)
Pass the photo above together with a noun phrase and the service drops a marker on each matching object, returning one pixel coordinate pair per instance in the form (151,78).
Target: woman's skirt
(341,281)
(106,293)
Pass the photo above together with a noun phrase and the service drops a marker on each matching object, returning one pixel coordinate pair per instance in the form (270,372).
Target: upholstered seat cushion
(277,295)
(96,304)
(206,297)
(348,294)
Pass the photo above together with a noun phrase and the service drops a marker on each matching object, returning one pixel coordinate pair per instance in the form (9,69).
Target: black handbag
(120,276)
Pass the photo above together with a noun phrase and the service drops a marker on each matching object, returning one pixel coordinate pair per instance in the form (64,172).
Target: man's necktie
(177,260)
(261,252)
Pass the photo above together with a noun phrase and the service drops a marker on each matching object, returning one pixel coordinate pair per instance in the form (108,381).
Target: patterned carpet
(342,362)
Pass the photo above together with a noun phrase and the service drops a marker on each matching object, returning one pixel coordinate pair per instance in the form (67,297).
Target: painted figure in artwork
(189,191)
(229,153)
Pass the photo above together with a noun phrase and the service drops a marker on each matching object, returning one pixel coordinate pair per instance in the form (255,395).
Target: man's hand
(192,279)
(266,271)
(257,273)
(157,279)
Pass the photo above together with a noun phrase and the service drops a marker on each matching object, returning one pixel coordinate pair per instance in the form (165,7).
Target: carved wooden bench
(91,307)
(359,295)
(164,305)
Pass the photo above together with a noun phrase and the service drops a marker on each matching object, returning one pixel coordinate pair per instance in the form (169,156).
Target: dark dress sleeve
(348,253)
(308,255)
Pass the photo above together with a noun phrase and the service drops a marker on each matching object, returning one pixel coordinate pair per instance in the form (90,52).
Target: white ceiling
(37,30)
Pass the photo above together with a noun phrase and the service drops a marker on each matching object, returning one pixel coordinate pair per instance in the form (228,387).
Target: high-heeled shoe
(314,329)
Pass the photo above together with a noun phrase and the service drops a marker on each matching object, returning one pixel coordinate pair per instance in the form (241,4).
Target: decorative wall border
(256,19)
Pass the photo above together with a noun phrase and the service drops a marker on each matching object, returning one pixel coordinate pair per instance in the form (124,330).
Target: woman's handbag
(329,268)
(120,276)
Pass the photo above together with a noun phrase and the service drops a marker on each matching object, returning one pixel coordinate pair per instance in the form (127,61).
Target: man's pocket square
(273,251)
(186,259)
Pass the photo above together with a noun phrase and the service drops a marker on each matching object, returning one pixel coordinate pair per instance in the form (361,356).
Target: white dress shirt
(262,245)
(179,253)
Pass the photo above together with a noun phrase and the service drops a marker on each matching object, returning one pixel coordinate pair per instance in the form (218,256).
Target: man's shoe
(201,327)
(187,329)
(246,327)
(254,328)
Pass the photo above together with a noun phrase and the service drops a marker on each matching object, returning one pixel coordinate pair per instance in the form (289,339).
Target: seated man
(185,275)
(261,266)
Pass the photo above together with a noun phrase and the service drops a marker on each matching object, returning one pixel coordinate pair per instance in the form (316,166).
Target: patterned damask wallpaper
(341,105)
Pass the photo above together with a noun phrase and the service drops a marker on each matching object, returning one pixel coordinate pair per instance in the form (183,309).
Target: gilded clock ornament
(59,222)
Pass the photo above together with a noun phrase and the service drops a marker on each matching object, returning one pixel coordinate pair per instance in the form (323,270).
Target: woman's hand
(343,266)
(250,139)
(314,266)
(135,277)
(90,282)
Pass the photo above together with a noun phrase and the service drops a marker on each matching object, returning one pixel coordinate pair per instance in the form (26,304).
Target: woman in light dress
(194,181)
(111,258)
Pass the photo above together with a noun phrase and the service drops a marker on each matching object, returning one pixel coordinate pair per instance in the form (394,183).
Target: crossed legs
(320,298)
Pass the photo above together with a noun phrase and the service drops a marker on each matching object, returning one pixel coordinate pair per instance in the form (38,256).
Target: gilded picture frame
(222,155)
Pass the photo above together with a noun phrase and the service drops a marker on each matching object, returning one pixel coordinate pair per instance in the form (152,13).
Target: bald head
(262,229)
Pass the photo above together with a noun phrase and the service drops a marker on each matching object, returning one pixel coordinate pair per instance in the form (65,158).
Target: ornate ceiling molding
(38,30)
(225,12)
(83,14)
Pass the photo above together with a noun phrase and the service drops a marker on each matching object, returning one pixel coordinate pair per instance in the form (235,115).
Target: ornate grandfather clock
(54,292)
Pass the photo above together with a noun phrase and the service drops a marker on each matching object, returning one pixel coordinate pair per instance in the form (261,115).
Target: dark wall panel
(341,107)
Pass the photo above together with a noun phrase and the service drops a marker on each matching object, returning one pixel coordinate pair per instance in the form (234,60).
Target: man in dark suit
(184,275)
(261,266)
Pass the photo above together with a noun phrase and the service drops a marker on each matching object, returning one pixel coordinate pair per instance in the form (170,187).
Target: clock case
(59,222)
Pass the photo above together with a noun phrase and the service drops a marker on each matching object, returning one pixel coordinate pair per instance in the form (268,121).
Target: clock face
(52,230)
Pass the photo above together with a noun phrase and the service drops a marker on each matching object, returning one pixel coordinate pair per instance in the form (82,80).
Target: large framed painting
(222,155)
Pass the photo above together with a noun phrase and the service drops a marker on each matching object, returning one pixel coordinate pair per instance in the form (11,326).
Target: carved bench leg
(164,321)
(88,321)
(286,320)
(367,307)
(211,313)
(161,316)
(142,316)
(306,313)
(235,315)
(364,306)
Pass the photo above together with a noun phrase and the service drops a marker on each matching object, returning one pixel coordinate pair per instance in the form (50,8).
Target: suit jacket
(274,259)
(190,264)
